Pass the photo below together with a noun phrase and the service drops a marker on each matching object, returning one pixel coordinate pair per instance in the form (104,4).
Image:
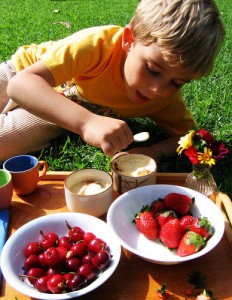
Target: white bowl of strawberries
(60,256)
(166,224)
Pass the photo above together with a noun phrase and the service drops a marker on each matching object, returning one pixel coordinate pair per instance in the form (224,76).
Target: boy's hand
(111,135)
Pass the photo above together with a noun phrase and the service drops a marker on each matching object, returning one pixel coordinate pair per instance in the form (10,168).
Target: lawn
(29,21)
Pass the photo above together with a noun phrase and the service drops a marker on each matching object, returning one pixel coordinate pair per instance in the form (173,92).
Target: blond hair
(190,30)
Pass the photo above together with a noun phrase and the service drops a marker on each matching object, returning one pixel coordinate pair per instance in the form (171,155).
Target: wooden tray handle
(225,205)
(223,201)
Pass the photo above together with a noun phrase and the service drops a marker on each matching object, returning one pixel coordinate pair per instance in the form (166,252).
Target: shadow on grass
(69,153)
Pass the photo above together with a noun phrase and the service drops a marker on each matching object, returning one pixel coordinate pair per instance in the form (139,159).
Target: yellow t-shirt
(91,59)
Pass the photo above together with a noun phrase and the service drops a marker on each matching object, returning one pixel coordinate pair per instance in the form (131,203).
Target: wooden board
(134,278)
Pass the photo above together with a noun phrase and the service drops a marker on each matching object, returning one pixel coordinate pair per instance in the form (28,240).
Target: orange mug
(26,172)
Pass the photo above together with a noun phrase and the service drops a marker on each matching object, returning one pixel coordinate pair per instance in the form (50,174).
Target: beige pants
(20,131)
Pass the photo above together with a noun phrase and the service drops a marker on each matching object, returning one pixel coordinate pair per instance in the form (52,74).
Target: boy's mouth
(141,98)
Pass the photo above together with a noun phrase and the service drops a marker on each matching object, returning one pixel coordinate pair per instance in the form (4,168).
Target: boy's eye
(176,85)
(158,72)
(151,71)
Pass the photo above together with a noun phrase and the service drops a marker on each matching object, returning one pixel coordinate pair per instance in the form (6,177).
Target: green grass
(29,21)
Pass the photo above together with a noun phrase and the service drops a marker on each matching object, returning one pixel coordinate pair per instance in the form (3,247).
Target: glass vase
(201,180)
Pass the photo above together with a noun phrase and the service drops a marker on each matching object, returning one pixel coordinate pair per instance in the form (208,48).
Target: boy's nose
(158,86)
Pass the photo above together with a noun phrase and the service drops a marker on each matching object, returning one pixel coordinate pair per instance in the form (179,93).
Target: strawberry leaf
(144,208)
(162,290)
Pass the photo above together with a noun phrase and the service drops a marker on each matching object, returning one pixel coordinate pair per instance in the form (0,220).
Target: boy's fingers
(108,149)
(114,145)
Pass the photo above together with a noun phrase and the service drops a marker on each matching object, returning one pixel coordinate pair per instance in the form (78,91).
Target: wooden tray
(134,278)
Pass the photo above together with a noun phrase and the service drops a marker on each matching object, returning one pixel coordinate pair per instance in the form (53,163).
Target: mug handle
(44,170)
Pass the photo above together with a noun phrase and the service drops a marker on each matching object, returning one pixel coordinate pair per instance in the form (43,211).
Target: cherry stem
(22,275)
(41,232)
(69,227)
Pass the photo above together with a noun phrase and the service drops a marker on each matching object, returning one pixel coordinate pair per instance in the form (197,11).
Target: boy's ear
(127,38)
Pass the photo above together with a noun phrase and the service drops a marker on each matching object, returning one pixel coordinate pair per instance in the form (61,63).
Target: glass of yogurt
(89,191)
(130,171)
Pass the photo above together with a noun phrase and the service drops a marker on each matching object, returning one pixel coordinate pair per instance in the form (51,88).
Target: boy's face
(147,75)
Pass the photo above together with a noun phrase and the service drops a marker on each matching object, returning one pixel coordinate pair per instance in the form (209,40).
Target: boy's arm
(165,148)
(33,90)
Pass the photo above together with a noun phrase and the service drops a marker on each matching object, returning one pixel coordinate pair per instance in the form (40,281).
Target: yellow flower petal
(185,142)
(206,157)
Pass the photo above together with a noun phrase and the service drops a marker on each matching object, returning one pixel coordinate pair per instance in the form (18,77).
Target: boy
(118,72)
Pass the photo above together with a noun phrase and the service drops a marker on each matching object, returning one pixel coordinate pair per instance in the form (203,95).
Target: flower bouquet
(203,151)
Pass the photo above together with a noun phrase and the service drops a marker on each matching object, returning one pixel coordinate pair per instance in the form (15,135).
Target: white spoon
(141,137)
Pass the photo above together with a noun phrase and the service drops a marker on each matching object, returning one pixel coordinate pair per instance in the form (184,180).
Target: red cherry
(41,284)
(72,264)
(77,250)
(63,251)
(32,261)
(53,270)
(33,248)
(42,261)
(51,239)
(67,276)
(97,245)
(88,236)
(101,260)
(87,271)
(75,233)
(34,273)
(74,281)
(87,259)
(52,257)
(56,284)
(65,242)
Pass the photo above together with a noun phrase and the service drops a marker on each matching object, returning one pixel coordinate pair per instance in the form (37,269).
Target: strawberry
(205,295)
(190,243)
(165,216)
(203,227)
(181,204)
(186,221)
(171,233)
(147,224)
(157,207)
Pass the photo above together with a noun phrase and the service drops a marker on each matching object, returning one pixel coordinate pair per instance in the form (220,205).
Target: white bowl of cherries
(60,256)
